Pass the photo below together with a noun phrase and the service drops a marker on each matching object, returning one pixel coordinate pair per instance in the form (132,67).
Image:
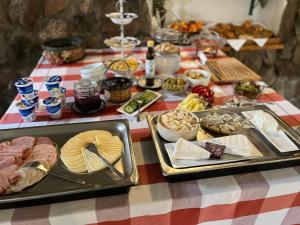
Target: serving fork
(93,148)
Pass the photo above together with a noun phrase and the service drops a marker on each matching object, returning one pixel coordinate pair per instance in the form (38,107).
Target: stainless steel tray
(271,159)
(52,189)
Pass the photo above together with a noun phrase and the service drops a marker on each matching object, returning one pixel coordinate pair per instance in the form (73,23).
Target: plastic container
(25,87)
(27,110)
(34,99)
(53,85)
(54,107)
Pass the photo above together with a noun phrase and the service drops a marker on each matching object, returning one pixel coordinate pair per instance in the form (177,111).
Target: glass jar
(167,35)
(167,63)
(209,42)
(87,96)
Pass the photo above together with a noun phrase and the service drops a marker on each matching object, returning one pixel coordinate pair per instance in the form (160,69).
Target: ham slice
(44,140)
(4,144)
(45,152)
(24,141)
(7,162)
(13,175)
(19,151)
(8,177)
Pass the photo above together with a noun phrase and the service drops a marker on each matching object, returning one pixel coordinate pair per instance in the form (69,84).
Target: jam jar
(87,96)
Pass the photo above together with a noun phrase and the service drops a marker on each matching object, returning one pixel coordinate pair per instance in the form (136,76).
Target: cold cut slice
(7,162)
(44,140)
(26,141)
(45,152)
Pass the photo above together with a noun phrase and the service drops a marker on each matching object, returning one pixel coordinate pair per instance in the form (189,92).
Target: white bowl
(93,71)
(113,43)
(172,136)
(116,18)
(202,81)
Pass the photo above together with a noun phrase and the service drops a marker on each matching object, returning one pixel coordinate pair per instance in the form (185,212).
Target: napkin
(260,41)
(236,44)
(189,151)
(280,140)
(270,130)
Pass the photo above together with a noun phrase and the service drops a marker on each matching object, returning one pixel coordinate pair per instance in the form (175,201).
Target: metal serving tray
(52,189)
(272,158)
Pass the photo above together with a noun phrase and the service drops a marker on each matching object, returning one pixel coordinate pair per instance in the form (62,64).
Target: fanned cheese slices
(78,159)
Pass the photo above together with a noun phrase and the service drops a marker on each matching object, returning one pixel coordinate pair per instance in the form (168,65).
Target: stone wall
(281,69)
(24,24)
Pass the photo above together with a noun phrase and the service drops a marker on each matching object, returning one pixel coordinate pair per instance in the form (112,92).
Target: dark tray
(52,189)
(272,158)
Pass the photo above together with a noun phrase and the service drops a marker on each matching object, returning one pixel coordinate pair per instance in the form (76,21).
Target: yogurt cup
(25,87)
(27,110)
(54,107)
(34,99)
(53,84)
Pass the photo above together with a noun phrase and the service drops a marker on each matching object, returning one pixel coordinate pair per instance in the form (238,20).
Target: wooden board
(274,43)
(230,70)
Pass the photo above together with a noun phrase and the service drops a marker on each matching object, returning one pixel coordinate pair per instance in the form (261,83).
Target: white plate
(121,109)
(226,158)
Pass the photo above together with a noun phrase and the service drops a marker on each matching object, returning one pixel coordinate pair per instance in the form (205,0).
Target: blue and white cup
(27,110)
(25,87)
(34,99)
(54,107)
(53,84)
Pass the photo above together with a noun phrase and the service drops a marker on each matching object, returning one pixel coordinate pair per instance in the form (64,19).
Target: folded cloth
(264,121)
(280,140)
(187,150)
(235,144)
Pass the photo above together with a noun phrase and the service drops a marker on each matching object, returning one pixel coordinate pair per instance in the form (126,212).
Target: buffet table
(271,197)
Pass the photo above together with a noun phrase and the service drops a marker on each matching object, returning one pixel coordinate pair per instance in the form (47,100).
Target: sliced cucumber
(129,109)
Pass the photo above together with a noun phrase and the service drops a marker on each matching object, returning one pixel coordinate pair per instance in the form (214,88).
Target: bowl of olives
(175,84)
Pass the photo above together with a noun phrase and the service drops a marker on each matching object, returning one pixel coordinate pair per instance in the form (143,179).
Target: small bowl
(179,92)
(204,81)
(116,18)
(64,50)
(115,43)
(173,136)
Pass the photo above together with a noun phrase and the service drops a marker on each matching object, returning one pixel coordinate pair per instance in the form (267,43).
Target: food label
(150,68)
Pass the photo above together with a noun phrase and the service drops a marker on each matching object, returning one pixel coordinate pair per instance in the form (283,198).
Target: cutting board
(230,70)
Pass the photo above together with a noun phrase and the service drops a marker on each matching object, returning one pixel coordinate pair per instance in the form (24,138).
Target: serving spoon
(40,166)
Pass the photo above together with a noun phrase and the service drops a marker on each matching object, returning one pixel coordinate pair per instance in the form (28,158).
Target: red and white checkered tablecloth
(268,197)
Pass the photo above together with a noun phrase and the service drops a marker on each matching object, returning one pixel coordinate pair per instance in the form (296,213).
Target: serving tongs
(40,166)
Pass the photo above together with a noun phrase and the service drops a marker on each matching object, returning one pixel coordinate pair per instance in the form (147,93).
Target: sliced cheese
(189,151)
